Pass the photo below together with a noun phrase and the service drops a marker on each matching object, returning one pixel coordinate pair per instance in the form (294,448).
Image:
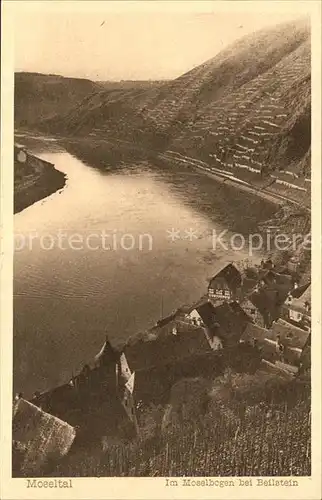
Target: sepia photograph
(162,241)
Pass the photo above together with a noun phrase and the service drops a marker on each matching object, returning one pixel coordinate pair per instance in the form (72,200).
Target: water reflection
(66,300)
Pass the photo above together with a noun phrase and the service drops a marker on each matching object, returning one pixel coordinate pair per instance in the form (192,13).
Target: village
(251,317)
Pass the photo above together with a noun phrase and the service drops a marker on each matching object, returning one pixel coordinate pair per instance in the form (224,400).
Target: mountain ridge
(248,109)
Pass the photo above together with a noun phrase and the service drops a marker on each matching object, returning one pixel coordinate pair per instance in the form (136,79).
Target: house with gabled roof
(154,383)
(240,313)
(223,286)
(298,291)
(264,300)
(297,307)
(270,277)
(96,400)
(222,323)
(164,349)
(292,338)
(249,285)
(281,343)
(107,355)
(231,320)
(253,334)
(251,310)
(266,277)
(267,299)
(202,315)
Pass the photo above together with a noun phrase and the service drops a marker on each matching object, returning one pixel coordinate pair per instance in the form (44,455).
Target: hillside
(247,110)
(131,84)
(39,96)
(251,426)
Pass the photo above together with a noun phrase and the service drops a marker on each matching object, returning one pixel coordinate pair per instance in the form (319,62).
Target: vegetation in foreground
(240,425)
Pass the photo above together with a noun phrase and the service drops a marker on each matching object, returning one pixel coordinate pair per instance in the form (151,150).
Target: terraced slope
(188,96)
(247,111)
(260,132)
(269,114)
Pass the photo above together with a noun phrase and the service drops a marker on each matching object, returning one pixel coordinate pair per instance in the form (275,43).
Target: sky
(91,41)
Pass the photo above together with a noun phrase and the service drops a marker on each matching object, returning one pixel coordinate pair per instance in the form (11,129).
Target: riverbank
(34,179)
(261,189)
(120,150)
(106,152)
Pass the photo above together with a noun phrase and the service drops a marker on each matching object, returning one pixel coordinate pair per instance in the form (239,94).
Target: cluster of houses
(261,305)
(257,313)
(96,402)
(279,309)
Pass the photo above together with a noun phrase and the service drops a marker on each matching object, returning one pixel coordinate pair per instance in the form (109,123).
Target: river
(98,258)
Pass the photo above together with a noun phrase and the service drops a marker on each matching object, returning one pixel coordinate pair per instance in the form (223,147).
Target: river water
(98,258)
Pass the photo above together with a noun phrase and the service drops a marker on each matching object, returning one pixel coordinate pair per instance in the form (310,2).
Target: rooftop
(207,313)
(37,436)
(290,335)
(253,331)
(230,275)
(145,354)
(232,321)
(302,292)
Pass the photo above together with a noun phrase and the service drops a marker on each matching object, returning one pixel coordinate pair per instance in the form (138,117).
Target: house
(224,285)
(107,354)
(37,437)
(297,307)
(284,279)
(268,298)
(202,315)
(282,342)
(189,340)
(298,291)
(299,313)
(251,310)
(293,264)
(251,272)
(127,400)
(293,339)
(194,317)
(230,322)
(161,329)
(154,384)
(242,316)
(248,286)
(222,324)
(94,399)
(266,277)
(269,277)
(290,335)
(284,269)
(253,334)
(265,301)
(256,336)
(20,154)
